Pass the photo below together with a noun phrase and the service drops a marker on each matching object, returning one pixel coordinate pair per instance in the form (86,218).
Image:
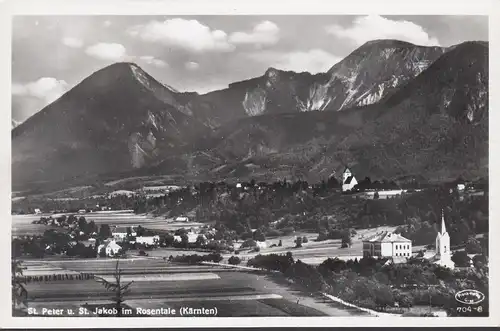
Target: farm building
(148,241)
(120,233)
(182,219)
(111,248)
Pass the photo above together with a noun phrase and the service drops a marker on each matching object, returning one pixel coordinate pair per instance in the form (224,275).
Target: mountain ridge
(121,120)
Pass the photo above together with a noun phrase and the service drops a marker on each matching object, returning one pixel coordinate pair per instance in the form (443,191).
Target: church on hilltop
(443,252)
(348,180)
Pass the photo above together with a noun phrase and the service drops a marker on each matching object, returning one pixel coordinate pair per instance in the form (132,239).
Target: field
(159,284)
(21,224)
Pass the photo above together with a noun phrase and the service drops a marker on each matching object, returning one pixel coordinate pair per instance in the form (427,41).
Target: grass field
(232,292)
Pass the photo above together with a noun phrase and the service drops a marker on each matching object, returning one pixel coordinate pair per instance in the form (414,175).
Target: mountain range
(390,109)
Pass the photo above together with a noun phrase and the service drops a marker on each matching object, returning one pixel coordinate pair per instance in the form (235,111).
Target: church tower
(348,180)
(347,173)
(443,253)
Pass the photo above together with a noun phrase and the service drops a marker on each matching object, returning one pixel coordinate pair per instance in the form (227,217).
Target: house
(192,237)
(443,252)
(348,180)
(387,244)
(148,241)
(120,233)
(111,248)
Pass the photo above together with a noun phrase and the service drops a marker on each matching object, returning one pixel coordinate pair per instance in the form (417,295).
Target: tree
(305,240)
(259,235)
(19,292)
(129,231)
(280,243)
(82,224)
(376,196)
(346,239)
(461,259)
(184,240)
(200,240)
(234,260)
(322,236)
(473,246)
(117,288)
(167,240)
(105,232)
(298,242)
(92,227)
(140,231)
(479,261)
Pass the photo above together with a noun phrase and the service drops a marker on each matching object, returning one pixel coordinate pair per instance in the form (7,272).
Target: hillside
(435,126)
(117,119)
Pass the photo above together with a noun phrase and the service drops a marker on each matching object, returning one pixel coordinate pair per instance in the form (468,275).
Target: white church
(443,252)
(348,180)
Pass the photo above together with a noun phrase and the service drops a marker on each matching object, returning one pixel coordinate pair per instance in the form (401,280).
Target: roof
(348,180)
(121,229)
(111,243)
(386,236)
(396,260)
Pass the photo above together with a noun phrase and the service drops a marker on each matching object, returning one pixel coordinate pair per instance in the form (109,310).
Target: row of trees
(372,283)
(57,277)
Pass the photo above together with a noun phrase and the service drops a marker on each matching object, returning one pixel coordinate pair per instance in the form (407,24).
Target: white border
(232,7)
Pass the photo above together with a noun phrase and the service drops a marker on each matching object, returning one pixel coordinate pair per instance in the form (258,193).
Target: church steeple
(443,226)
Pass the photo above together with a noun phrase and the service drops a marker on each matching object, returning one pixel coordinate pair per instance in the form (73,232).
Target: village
(114,239)
(206,228)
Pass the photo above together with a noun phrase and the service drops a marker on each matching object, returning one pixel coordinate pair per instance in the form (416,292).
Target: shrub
(234,260)
(335,265)
(305,240)
(271,262)
(194,259)
(322,236)
(248,243)
(461,259)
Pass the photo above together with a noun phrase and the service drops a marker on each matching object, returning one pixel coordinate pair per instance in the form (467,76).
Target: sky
(52,54)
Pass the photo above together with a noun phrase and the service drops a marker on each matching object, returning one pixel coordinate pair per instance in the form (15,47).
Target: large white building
(120,233)
(148,240)
(443,252)
(348,180)
(387,244)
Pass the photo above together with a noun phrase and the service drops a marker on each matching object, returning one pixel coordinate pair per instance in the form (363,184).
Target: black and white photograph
(250,166)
